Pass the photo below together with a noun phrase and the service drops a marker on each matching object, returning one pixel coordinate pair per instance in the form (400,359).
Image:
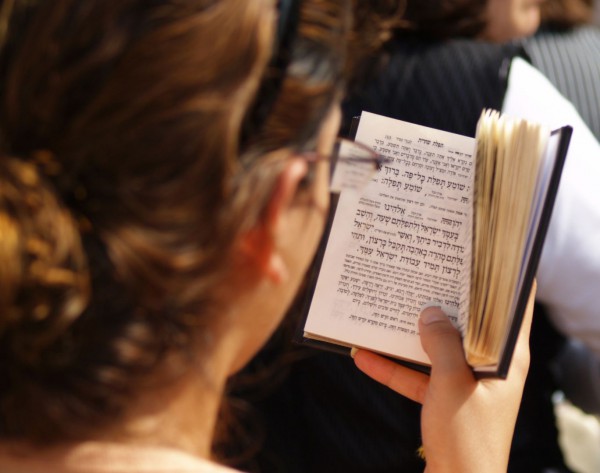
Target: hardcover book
(448,220)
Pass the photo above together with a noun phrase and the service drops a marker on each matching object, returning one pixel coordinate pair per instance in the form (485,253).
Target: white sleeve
(569,271)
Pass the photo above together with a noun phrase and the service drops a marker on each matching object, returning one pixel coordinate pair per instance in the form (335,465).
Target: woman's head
(134,163)
(567,13)
(513,19)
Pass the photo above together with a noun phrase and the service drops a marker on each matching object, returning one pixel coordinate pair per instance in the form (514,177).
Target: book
(449,220)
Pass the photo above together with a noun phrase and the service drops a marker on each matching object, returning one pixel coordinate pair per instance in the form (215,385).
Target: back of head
(567,13)
(439,19)
(130,162)
(442,19)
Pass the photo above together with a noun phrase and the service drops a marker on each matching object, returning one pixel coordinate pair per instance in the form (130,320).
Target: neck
(182,415)
(184,420)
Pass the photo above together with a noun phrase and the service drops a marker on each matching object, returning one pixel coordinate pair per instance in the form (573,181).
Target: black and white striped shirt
(571,60)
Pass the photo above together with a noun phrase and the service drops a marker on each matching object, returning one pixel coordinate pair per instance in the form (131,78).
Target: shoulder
(452,58)
(564,49)
(441,84)
(112,458)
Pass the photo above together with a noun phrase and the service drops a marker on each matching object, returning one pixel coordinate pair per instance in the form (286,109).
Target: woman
(163,188)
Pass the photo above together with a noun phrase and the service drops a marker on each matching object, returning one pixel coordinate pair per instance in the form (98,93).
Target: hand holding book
(460,415)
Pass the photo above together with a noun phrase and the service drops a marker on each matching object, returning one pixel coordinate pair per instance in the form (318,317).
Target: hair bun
(44,282)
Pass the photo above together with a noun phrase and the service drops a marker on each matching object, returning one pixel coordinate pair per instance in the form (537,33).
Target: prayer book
(449,220)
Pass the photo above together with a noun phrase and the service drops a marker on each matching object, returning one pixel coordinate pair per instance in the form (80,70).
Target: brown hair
(124,185)
(374,24)
(440,19)
(567,13)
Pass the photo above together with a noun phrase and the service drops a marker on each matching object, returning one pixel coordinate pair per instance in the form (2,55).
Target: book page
(403,244)
(508,164)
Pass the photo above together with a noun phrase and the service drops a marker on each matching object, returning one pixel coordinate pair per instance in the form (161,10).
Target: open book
(450,221)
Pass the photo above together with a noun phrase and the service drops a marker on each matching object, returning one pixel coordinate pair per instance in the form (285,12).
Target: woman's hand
(467,425)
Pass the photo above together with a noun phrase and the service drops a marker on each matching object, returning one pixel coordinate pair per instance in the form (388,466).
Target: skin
(467,425)
(274,256)
(282,246)
(511,19)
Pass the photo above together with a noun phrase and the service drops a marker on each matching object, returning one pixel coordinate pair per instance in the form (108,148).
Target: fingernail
(432,314)
(353,352)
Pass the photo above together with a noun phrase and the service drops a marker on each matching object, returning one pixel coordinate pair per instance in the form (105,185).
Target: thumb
(442,342)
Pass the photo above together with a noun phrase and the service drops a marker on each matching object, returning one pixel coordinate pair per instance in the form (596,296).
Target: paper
(402,245)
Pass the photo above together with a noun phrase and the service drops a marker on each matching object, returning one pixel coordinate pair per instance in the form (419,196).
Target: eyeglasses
(353,165)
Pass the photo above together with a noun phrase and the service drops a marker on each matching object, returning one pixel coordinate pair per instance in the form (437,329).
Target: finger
(403,380)
(442,343)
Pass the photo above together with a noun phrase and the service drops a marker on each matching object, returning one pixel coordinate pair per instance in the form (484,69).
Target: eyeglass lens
(353,166)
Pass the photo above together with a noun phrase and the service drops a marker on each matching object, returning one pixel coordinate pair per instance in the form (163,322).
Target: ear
(260,243)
